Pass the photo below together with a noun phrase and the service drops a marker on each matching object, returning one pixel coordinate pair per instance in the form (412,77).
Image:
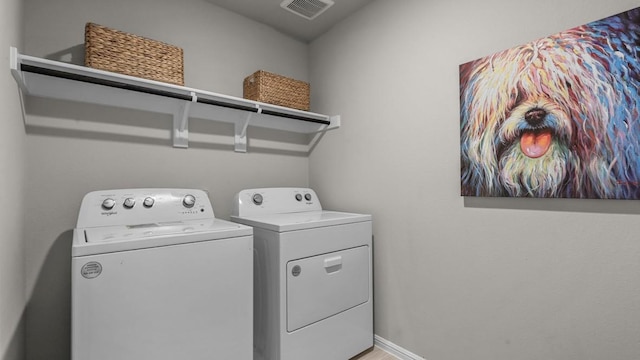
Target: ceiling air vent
(308,9)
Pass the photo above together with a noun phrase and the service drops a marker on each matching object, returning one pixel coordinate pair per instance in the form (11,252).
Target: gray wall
(456,278)
(76,148)
(12,159)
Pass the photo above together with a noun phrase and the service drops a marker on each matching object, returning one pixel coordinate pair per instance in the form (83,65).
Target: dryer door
(321,286)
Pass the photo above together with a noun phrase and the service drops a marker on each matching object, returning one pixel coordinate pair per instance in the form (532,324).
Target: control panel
(275,201)
(140,206)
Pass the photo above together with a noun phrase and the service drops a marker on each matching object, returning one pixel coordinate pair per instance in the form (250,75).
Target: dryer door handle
(333,264)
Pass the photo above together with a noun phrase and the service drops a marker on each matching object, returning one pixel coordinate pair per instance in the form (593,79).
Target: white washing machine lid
(301,220)
(105,239)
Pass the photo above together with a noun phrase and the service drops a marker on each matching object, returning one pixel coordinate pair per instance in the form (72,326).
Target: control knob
(148,202)
(307,196)
(257,199)
(299,197)
(129,202)
(189,201)
(108,204)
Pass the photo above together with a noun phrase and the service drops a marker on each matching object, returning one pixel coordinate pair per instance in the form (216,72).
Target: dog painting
(557,117)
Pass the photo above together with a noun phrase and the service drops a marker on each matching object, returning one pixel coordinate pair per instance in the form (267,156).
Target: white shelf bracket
(181,123)
(14,65)
(335,122)
(240,138)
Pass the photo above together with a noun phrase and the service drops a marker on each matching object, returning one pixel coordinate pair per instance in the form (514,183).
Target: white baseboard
(395,350)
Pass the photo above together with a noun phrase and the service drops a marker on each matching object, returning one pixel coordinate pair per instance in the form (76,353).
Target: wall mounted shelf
(57,80)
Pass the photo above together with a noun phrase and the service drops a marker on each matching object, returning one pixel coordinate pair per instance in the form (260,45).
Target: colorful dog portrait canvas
(558,117)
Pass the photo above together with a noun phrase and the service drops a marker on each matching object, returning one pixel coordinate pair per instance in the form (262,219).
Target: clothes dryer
(156,276)
(312,276)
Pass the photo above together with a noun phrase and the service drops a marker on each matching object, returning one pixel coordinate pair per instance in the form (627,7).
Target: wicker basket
(277,90)
(120,52)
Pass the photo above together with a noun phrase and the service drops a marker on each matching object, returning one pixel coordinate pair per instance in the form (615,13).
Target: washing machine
(313,295)
(156,276)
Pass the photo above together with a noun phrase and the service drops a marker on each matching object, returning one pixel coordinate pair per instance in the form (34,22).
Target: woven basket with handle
(128,54)
(276,89)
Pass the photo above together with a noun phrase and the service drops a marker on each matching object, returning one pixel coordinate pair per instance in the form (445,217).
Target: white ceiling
(270,13)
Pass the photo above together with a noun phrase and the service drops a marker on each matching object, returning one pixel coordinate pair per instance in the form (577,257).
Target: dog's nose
(535,116)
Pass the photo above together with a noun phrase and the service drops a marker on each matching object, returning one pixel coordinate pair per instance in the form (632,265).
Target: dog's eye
(515,98)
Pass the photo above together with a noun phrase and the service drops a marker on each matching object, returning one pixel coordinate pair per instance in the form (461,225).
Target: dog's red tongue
(535,143)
